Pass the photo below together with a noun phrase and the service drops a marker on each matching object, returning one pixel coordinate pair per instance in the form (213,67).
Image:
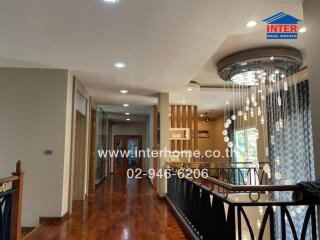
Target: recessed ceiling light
(201,115)
(127,113)
(123,91)
(189,89)
(272,58)
(125,105)
(111,1)
(119,65)
(251,24)
(302,30)
(183,101)
(128,119)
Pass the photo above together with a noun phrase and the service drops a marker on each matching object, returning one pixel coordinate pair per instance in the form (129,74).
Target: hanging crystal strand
(240,113)
(225,107)
(234,113)
(256,92)
(279,103)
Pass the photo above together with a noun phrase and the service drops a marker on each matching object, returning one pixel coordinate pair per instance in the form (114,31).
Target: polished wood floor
(120,209)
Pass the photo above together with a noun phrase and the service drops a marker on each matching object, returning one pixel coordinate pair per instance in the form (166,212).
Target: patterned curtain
(291,146)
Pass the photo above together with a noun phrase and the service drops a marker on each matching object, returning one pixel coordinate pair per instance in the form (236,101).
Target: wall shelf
(179,133)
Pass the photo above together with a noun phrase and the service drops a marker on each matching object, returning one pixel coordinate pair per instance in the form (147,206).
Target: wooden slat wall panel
(185,117)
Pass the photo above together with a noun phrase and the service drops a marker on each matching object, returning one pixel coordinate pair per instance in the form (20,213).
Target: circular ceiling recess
(247,67)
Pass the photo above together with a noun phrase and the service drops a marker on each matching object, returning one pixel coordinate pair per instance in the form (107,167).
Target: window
(246,142)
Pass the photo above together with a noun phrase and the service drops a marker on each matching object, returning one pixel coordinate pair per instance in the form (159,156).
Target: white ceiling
(164,43)
(117,113)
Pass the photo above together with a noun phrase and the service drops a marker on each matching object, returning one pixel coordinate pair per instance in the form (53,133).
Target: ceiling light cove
(251,24)
(125,105)
(111,1)
(119,65)
(302,30)
(123,91)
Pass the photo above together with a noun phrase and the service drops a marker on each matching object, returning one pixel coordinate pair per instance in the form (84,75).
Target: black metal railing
(6,213)
(214,209)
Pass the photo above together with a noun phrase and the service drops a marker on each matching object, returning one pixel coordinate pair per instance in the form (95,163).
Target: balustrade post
(17,203)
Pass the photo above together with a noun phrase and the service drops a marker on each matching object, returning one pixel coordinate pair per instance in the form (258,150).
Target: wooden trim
(184,125)
(173,125)
(92,150)
(179,126)
(195,123)
(190,126)
(54,219)
(155,144)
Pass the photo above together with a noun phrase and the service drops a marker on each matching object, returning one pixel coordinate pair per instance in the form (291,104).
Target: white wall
(33,113)
(131,129)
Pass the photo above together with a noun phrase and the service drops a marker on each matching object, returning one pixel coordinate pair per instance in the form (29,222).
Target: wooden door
(79,160)
(93,148)
(130,146)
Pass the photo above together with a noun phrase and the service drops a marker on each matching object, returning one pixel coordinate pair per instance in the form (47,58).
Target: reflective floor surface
(120,209)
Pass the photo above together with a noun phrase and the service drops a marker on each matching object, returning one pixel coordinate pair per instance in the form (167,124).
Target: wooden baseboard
(27,229)
(54,219)
(100,181)
(28,236)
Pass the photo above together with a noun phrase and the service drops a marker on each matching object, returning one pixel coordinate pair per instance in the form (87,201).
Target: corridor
(120,209)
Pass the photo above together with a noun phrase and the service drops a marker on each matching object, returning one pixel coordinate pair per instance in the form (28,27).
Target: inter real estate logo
(282,26)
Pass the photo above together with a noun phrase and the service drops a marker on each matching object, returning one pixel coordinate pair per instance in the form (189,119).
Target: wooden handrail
(245,188)
(9,179)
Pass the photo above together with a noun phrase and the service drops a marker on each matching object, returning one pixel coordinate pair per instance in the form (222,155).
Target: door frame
(79,173)
(92,150)
(126,137)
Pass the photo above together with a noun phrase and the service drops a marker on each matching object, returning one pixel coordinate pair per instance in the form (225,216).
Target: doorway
(129,145)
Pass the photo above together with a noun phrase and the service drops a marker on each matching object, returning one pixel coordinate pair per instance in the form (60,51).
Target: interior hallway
(121,208)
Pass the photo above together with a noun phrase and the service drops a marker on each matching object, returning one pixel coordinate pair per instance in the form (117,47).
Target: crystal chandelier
(258,81)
